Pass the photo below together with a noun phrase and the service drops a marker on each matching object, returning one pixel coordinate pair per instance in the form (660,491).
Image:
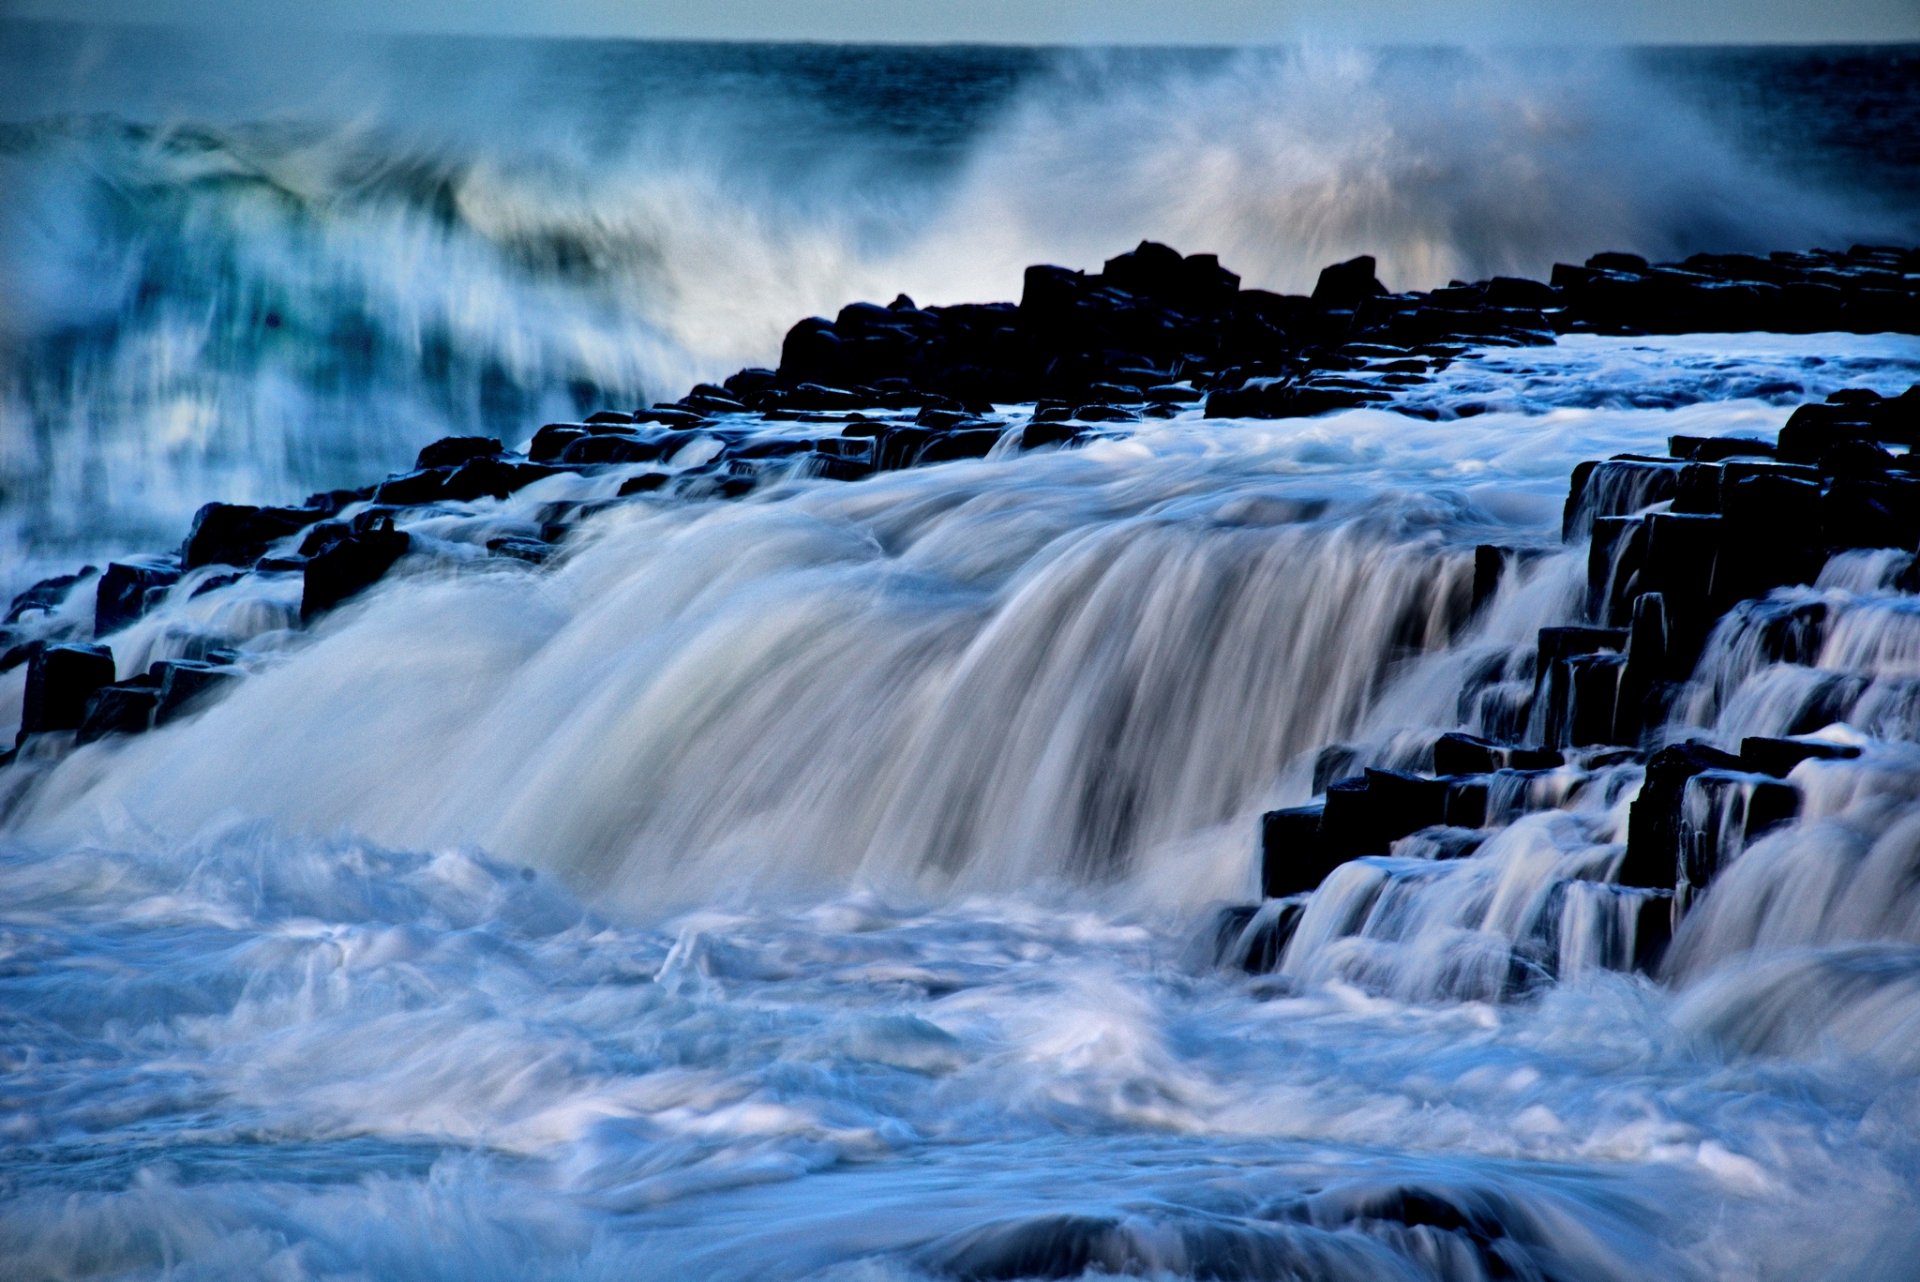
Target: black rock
(532,551)
(126,708)
(551,441)
(645,483)
(412,489)
(185,684)
(1654,819)
(236,534)
(1777,757)
(127,589)
(1346,285)
(60,680)
(44,595)
(350,566)
(1293,858)
(451,451)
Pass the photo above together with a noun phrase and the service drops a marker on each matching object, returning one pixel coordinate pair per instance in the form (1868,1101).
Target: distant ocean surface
(251,267)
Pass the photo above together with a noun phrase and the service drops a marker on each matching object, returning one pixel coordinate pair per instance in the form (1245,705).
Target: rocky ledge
(1678,545)
(1079,356)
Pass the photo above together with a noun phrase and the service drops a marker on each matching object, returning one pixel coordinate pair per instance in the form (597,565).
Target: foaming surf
(213,298)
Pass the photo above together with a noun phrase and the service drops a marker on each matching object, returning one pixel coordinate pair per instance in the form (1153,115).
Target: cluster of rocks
(1677,544)
(1153,334)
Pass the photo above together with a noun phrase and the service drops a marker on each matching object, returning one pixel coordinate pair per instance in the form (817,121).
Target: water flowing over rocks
(1156,334)
(1491,771)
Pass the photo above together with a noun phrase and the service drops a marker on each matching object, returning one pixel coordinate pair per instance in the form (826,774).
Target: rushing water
(818,886)
(822,885)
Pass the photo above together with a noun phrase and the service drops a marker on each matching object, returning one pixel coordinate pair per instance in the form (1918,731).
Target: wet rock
(1346,285)
(532,551)
(451,451)
(127,589)
(1654,820)
(60,680)
(1778,757)
(1714,449)
(237,534)
(45,595)
(185,685)
(836,467)
(126,708)
(349,566)
(493,478)
(551,441)
(1293,857)
(645,483)
(1254,938)
(1457,753)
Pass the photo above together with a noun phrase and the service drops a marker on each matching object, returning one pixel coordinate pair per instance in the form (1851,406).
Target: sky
(1058,21)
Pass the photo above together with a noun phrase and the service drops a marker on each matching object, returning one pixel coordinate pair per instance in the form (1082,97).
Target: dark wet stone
(1346,285)
(532,551)
(126,708)
(186,685)
(350,566)
(1293,857)
(60,680)
(493,478)
(551,441)
(1778,757)
(451,451)
(127,589)
(645,483)
(1654,819)
(238,534)
(44,595)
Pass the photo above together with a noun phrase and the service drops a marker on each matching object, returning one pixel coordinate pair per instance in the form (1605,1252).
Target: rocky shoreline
(1156,334)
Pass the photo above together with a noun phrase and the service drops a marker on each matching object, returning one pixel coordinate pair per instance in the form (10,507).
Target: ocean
(825,885)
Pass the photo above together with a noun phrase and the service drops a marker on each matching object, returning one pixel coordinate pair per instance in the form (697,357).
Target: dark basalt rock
(43,596)
(236,534)
(1347,285)
(1293,856)
(1778,757)
(126,708)
(60,680)
(1654,819)
(127,589)
(645,483)
(1457,753)
(492,477)
(413,489)
(451,451)
(185,684)
(532,551)
(349,566)
(551,441)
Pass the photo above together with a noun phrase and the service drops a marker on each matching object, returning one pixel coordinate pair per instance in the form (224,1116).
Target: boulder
(127,589)
(349,566)
(60,680)
(1654,819)
(43,596)
(126,708)
(1344,286)
(185,684)
(451,451)
(237,534)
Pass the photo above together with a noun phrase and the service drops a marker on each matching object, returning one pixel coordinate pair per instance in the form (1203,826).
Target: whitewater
(826,884)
